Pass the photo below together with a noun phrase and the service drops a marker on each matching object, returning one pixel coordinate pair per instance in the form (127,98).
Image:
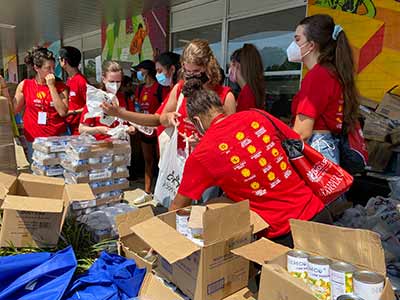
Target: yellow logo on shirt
(340,109)
(223,146)
(283,166)
(271,176)
(255,125)
(266,139)
(144,98)
(339,120)
(246,173)
(235,159)
(275,152)
(251,149)
(262,161)
(41,95)
(240,136)
(255,185)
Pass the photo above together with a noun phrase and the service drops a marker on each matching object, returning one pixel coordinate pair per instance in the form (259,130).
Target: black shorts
(151,140)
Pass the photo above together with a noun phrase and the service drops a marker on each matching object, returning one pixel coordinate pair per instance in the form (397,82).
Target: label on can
(368,291)
(318,280)
(341,283)
(297,266)
(182,222)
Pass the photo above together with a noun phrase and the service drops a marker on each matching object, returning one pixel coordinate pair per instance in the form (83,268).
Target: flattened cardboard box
(207,272)
(362,248)
(35,208)
(390,106)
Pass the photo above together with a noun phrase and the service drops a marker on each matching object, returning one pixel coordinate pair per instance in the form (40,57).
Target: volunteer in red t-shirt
(70,58)
(242,154)
(111,82)
(328,100)
(246,69)
(43,98)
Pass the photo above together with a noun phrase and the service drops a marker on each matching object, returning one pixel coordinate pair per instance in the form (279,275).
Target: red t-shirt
(148,100)
(242,154)
(77,100)
(94,122)
(38,100)
(246,99)
(185,125)
(320,98)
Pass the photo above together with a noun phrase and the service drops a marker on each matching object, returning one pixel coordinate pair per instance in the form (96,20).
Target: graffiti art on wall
(136,38)
(372,27)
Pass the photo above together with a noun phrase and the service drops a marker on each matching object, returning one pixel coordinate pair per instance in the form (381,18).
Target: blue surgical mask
(163,80)
(140,76)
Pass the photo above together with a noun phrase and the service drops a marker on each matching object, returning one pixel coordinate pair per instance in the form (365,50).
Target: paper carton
(35,208)
(390,106)
(362,248)
(153,288)
(202,272)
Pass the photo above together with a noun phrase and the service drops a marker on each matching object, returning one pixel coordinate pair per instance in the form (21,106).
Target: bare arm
(304,125)
(75,111)
(168,116)
(230,104)
(60,100)
(179,202)
(112,109)
(19,99)
(92,130)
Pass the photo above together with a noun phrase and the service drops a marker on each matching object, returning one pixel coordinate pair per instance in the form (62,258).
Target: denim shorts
(327,145)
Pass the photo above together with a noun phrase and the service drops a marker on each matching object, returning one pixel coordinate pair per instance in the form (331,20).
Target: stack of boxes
(8,162)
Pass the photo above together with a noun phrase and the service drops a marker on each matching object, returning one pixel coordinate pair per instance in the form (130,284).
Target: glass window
(271,34)
(211,33)
(89,64)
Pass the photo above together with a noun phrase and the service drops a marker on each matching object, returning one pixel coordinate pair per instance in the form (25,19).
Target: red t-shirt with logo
(246,99)
(320,98)
(242,154)
(94,122)
(77,100)
(38,100)
(185,125)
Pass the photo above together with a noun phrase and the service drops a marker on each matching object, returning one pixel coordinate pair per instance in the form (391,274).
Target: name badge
(42,118)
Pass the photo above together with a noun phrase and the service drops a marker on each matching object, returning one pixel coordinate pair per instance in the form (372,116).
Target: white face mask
(294,52)
(113,87)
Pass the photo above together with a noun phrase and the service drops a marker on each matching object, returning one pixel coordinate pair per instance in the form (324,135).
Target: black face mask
(202,77)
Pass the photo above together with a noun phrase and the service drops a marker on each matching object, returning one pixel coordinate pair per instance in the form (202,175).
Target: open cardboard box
(362,248)
(208,272)
(35,208)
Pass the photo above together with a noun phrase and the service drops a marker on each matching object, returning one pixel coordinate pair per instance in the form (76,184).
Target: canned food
(297,264)
(182,221)
(349,297)
(341,278)
(94,160)
(368,285)
(318,276)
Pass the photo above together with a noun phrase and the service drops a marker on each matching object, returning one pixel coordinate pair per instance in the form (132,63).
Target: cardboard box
(153,288)
(35,208)
(209,272)
(362,248)
(8,163)
(110,188)
(390,106)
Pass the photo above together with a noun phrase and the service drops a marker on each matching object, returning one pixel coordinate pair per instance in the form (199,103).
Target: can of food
(182,221)
(318,276)
(368,285)
(341,278)
(297,264)
(349,297)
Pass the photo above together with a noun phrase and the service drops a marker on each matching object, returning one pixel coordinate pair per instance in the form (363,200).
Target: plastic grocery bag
(171,170)
(94,97)
(36,276)
(111,277)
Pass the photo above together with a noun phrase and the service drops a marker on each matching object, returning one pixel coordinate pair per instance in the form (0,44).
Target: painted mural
(136,38)
(372,27)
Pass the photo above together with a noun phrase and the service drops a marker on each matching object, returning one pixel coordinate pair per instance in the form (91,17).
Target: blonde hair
(108,67)
(198,52)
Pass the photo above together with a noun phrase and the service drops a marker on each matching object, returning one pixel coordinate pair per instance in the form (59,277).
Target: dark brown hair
(252,70)
(200,101)
(37,56)
(337,56)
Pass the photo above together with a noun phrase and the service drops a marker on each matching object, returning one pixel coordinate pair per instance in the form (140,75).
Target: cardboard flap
(79,192)
(222,223)
(277,283)
(243,294)
(165,240)
(261,251)
(154,288)
(41,179)
(126,221)
(6,181)
(357,246)
(33,204)
(196,216)
(256,221)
